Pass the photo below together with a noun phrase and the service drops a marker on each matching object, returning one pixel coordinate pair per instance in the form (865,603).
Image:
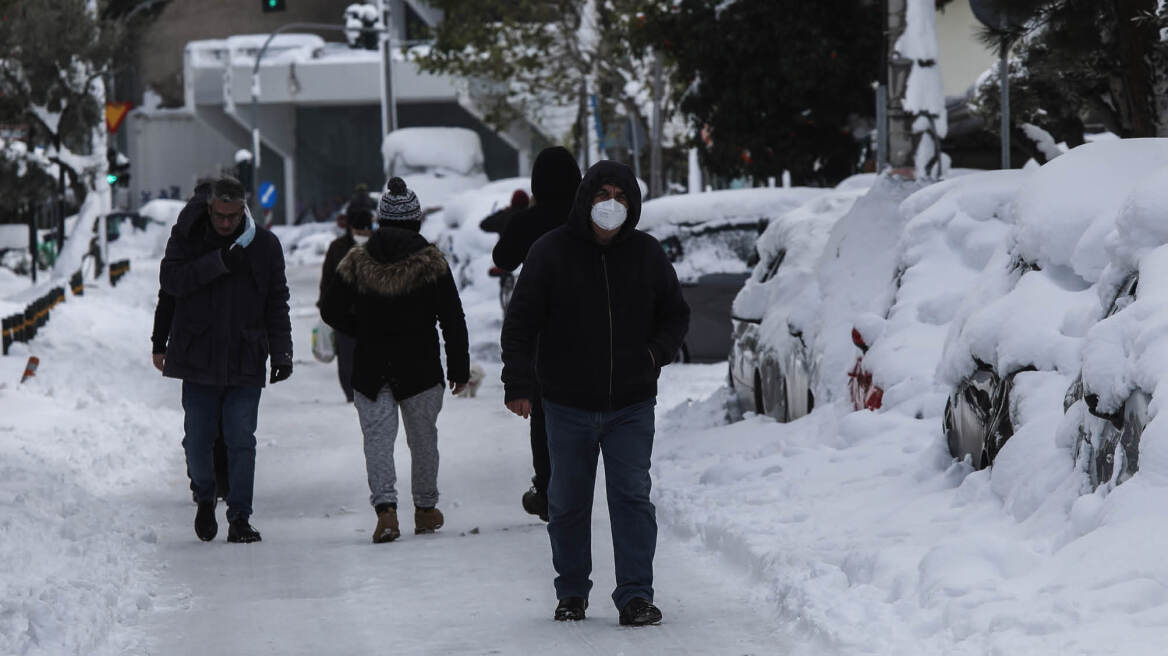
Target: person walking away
(599,305)
(230,316)
(498,220)
(389,293)
(359,222)
(554,179)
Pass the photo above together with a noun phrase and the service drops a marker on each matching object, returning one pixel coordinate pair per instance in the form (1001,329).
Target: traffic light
(273,5)
(118,169)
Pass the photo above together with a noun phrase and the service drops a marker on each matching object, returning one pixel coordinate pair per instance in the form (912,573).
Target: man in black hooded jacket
(599,307)
(554,179)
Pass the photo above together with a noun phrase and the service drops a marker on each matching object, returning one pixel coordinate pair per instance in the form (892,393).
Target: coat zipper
(611,345)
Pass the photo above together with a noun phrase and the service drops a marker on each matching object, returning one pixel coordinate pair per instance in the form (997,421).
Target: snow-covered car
(436,163)
(770,364)
(951,230)
(1040,295)
(710,239)
(1107,441)
(1110,406)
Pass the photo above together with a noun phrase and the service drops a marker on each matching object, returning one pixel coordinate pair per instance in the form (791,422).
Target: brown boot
(387,529)
(427,520)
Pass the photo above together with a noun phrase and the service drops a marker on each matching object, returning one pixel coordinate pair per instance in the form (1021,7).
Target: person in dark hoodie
(554,179)
(388,294)
(359,222)
(599,308)
(231,312)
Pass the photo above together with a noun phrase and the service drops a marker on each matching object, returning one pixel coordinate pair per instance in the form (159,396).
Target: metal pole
(1004,73)
(655,182)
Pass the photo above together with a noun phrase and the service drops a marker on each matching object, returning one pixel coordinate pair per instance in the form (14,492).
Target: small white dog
(472,385)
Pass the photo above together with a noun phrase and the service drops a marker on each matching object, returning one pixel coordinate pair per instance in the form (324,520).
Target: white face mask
(609,214)
(360,239)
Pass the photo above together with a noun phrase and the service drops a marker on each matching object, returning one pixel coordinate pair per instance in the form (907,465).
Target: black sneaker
(242,532)
(571,609)
(535,503)
(640,612)
(205,525)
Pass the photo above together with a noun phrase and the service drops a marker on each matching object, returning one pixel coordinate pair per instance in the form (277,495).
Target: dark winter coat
(605,318)
(226,323)
(554,179)
(337,250)
(388,293)
(163,318)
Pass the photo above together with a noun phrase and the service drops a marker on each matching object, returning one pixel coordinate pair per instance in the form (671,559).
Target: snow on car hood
(954,229)
(1039,298)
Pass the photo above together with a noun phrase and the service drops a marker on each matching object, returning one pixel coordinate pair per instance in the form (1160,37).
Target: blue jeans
(236,409)
(575,439)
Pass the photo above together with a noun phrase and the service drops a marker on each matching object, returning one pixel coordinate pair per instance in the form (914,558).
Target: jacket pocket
(192,345)
(255,351)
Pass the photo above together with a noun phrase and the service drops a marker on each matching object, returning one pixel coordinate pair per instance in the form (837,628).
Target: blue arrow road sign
(267,195)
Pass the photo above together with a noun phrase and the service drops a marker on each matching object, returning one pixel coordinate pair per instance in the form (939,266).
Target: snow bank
(870,538)
(77,442)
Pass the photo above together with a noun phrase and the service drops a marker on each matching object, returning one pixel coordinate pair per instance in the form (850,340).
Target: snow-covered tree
(543,55)
(52,99)
(1075,62)
(774,85)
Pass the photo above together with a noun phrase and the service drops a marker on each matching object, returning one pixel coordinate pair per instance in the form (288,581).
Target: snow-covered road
(481,585)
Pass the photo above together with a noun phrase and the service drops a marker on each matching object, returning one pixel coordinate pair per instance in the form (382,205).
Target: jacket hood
(555,175)
(391,278)
(602,173)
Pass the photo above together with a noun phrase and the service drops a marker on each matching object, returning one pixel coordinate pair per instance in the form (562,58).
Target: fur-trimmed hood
(393,278)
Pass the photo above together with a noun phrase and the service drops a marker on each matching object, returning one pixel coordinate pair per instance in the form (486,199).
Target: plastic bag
(324,342)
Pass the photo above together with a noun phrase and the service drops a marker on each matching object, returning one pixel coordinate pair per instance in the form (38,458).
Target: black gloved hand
(281,372)
(232,257)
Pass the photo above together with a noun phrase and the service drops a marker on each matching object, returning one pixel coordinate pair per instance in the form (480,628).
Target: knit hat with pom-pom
(398,203)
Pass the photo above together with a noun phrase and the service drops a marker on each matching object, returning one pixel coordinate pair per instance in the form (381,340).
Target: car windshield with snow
(710,239)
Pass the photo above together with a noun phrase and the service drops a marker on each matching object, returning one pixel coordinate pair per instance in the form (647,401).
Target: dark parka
(605,318)
(337,250)
(388,293)
(554,179)
(226,323)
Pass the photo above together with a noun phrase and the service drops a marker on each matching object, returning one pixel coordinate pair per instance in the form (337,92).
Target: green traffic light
(111,178)
(271,3)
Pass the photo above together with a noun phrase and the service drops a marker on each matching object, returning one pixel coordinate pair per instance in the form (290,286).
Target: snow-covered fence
(22,327)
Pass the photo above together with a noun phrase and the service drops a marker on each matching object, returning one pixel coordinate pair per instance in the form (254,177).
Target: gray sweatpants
(379,425)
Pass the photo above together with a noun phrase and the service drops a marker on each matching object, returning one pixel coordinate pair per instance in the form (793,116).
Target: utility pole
(656,188)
